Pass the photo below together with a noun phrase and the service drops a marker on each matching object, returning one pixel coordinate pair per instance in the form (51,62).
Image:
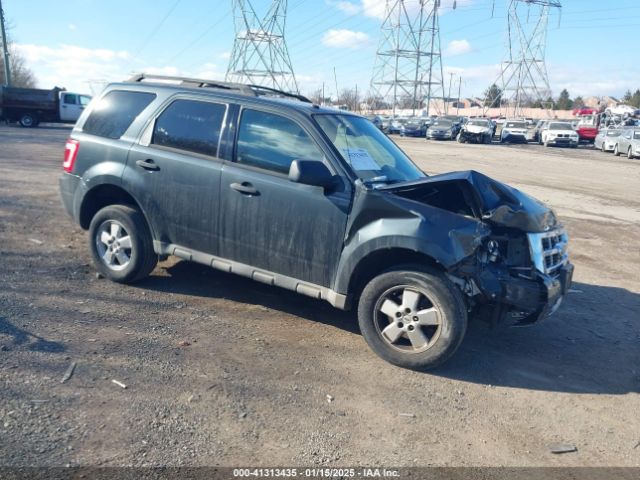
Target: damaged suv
(267,185)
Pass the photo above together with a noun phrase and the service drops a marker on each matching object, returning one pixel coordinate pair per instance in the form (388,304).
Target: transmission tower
(408,65)
(523,77)
(260,55)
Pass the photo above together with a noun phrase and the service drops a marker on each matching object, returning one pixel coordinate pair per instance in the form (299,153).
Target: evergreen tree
(493,96)
(564,101)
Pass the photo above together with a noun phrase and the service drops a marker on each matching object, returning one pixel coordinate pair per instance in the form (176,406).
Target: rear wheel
(412,318)
(121,244)
(28,120)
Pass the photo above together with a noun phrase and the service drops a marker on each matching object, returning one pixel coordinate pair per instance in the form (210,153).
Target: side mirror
(310,172)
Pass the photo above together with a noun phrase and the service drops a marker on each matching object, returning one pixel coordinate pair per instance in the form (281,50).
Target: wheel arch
(382,260)
(102,196)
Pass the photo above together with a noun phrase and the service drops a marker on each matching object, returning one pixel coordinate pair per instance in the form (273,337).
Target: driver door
(270,222)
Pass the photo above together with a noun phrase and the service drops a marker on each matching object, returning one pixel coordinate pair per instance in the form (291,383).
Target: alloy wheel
(407,320)
(114,245)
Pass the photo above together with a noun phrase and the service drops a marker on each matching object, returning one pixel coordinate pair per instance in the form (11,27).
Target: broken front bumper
(533,299)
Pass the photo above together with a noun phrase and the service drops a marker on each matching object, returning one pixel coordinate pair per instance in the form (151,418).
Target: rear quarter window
(114,113)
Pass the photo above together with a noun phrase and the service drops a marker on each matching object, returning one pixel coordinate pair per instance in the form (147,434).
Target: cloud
(72,26)
(457,47)
(346,7)
(83,69)
(345,39)
(376,8)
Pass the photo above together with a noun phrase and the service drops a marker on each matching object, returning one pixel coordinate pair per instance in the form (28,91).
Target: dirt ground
(251,386)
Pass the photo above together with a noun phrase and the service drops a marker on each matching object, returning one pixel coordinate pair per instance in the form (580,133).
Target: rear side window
(272,142)
(190,125)
(115,112)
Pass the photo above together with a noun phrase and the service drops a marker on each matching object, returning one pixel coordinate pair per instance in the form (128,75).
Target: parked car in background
(376,120)
(607,138)
(414,127)
(559,134)
(535,136)
(442,129)
(476,130)
(513,131)
(629,143)
(395,125)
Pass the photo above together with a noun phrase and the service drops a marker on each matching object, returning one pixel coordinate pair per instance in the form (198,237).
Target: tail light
(70,153)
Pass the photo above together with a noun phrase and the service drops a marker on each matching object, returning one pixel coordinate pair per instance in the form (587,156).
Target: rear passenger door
(174,171)
(269,222)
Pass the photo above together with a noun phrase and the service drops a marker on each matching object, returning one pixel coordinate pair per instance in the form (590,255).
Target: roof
(240,92)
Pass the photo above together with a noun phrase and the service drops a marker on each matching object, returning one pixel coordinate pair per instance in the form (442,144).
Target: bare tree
(350,98)
(21,75)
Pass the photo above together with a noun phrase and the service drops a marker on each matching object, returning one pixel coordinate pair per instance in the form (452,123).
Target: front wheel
(412,318)
(121,244)
(630,154)
(602,148)
(616,151)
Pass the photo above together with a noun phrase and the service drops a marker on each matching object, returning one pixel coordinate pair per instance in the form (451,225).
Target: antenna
(260,54)
(409,53)
(523,76)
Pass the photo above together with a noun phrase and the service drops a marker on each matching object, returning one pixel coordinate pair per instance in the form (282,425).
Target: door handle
(245,188)
(148,164)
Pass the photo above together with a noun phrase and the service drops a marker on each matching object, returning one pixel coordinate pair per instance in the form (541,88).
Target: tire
(616,152)
(630,154)
(602,148)
(460,139)
(28,120)
(431,298)
(546,144)
(109,227)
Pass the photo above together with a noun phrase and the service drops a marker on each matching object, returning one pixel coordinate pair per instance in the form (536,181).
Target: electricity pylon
(260,55)
(408,65)
(523,76)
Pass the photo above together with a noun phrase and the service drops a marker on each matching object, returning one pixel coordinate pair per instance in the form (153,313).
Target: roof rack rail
(253,90)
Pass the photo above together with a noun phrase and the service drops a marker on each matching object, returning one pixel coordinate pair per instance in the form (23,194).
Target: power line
(156,28)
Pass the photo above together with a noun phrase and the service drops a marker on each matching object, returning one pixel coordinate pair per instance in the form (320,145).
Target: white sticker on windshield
(360,159)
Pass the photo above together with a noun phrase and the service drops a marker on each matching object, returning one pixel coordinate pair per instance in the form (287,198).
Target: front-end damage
(502,248)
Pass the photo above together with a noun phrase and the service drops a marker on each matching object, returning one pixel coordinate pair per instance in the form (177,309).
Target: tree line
(21,75)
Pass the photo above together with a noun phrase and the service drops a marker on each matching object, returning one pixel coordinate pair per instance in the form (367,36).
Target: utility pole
(446,108)
(459,87)
(5,49)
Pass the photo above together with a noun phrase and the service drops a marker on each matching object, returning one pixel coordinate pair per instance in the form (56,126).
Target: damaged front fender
(380,222)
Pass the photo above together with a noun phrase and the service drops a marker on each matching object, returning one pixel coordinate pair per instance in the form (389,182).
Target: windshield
(481,123)
(613,133)
(371,155)
(516,125)
(560,126)
(443,123)
(636,135)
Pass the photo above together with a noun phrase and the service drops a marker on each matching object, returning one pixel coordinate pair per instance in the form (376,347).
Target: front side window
(369,152)
(84,100)
(272,142)
(114,113)
(70,98)
(190,125)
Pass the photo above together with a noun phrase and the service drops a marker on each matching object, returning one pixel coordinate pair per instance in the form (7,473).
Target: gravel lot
(220,370)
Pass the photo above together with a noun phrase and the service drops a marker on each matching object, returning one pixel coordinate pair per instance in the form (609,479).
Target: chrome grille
(549,250)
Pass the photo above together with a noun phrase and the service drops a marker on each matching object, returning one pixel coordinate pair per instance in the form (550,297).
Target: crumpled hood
(487,199)
(476,129)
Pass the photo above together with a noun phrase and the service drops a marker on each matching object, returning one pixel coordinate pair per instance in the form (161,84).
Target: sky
(81,44)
